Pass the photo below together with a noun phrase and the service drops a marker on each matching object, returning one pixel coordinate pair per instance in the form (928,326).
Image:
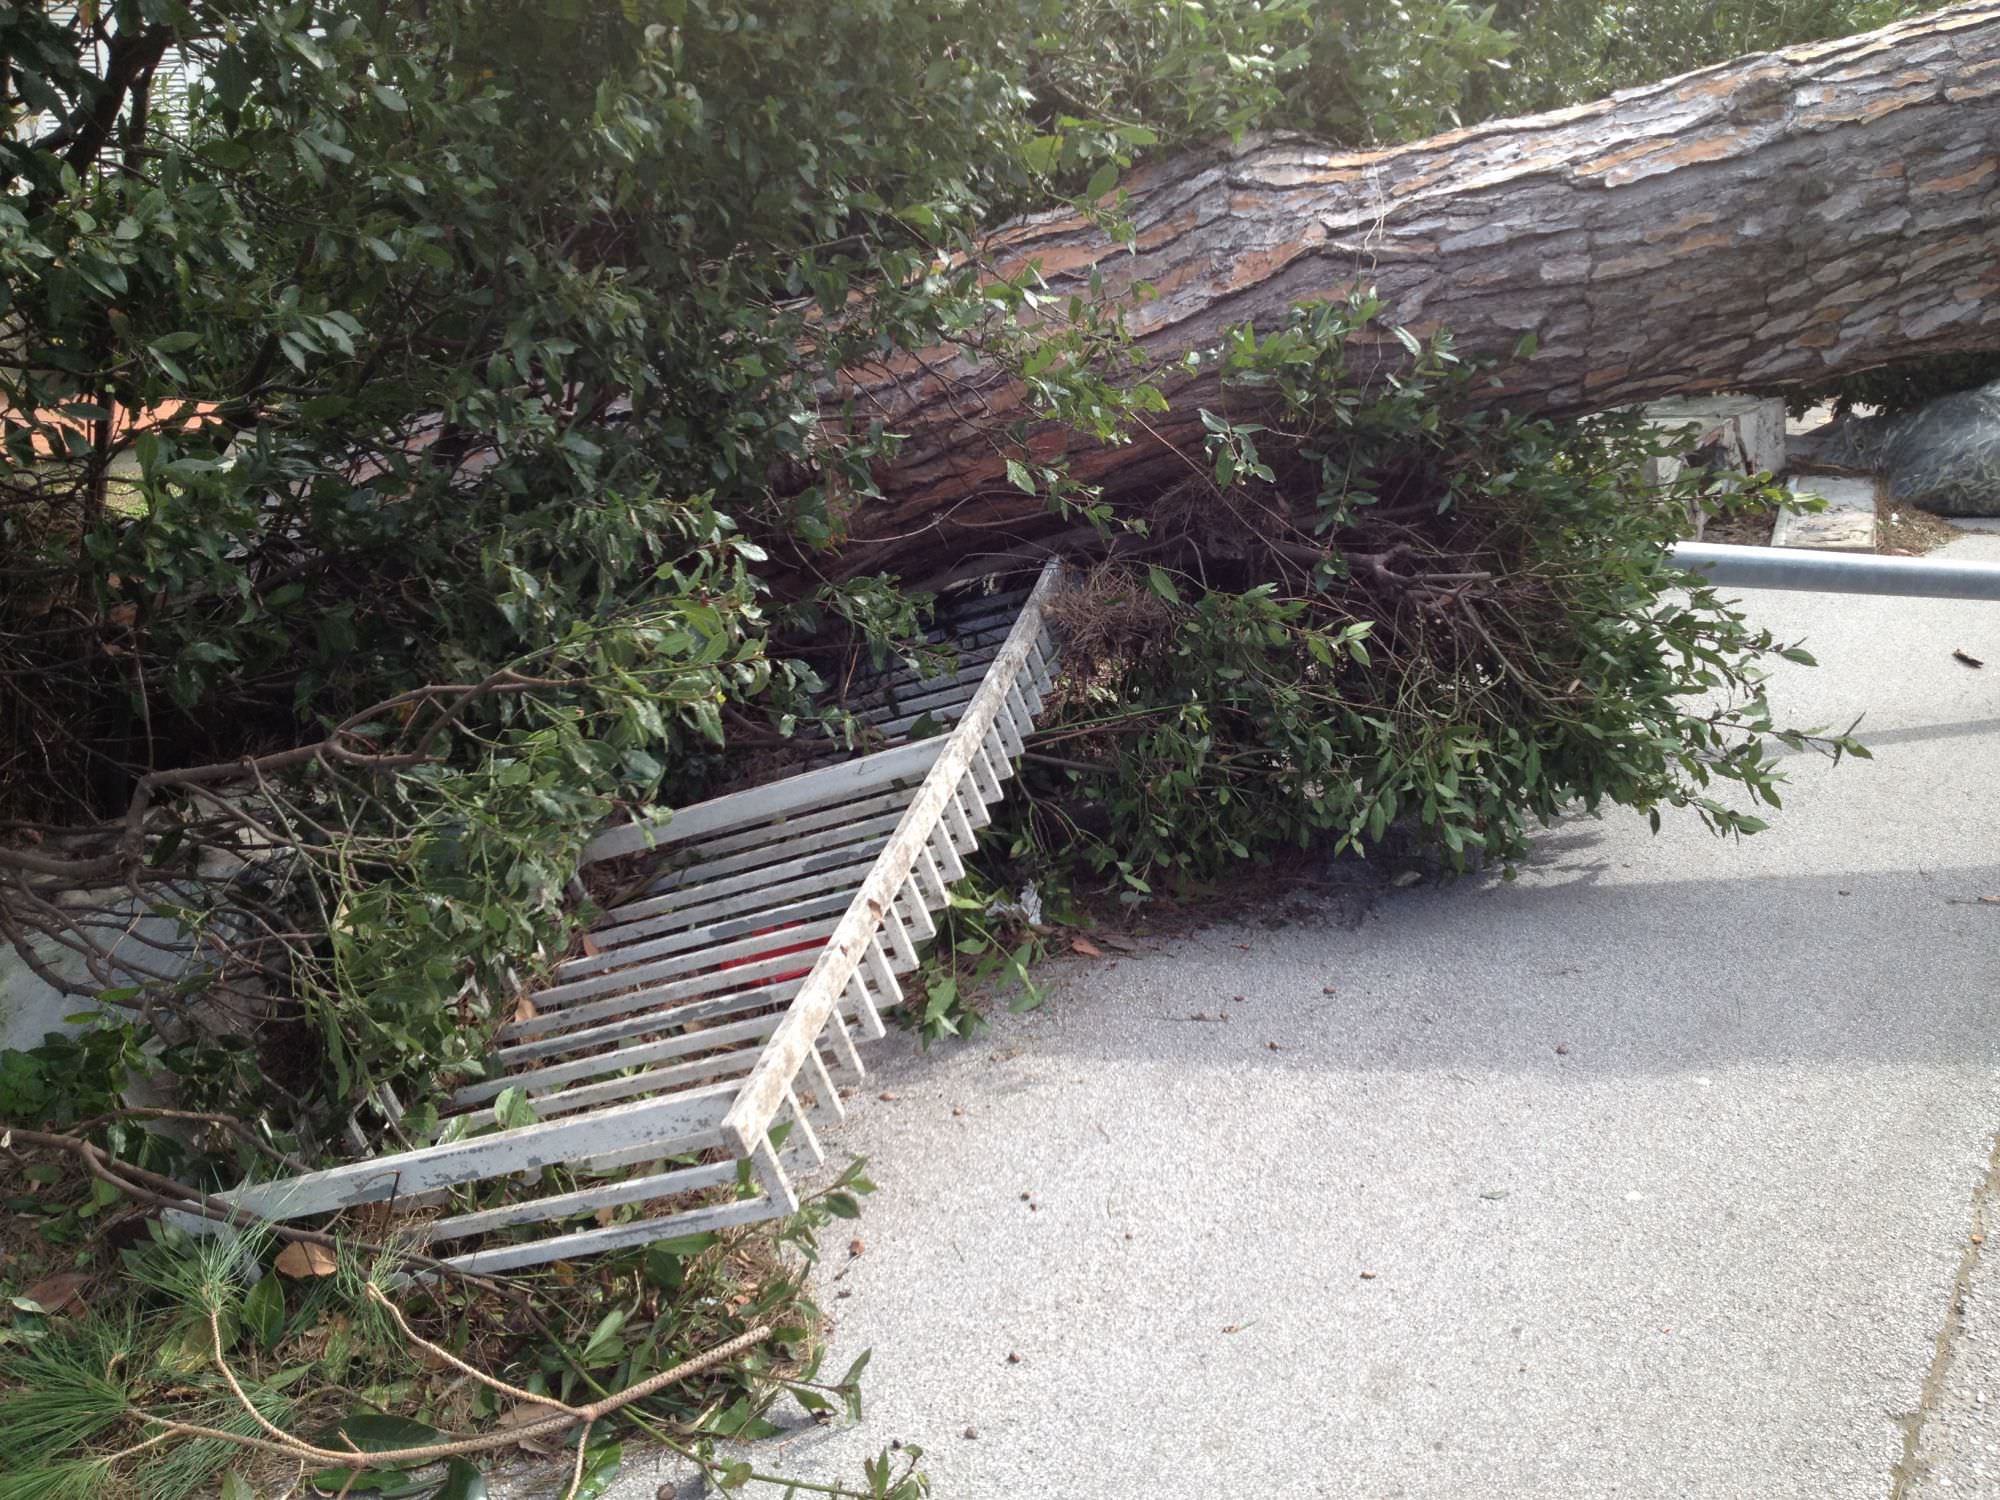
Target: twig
(295,1447)
(228,1122)
(489,1381)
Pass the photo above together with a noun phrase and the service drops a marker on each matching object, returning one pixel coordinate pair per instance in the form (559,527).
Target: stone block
(1846,525)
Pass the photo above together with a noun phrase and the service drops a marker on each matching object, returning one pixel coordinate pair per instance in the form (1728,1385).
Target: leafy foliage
(410,457)
(1585,49)
(1902,387)
(1468,625)
(309,1345)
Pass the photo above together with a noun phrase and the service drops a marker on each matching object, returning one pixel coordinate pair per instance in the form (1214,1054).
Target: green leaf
(389,98)
(383,1484)
(1042,153)
(173,343)
(600,1467)
(604,1346)
(687,1246)
(512,1111)
(1102,181)
(462,1482)
(1019,477)
(376,1432)
(236,1487)
(264,1311)
(1163,585)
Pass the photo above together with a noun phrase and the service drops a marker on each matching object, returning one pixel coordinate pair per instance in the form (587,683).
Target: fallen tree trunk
(1769,222)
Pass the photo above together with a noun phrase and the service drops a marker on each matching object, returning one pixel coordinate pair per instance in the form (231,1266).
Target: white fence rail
(722,999)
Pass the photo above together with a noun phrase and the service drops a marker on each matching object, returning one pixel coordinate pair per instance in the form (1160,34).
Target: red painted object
(756,958)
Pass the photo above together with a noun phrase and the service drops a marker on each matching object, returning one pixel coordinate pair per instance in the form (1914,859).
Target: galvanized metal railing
(1839,572)
(711,1013)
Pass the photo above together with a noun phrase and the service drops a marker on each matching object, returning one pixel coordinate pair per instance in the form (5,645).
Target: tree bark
(1770,222)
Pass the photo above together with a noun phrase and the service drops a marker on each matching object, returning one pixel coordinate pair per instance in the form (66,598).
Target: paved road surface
(1655,1173)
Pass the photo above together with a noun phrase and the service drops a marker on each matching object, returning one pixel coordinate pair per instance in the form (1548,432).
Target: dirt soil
(1903,531)
(1750,529)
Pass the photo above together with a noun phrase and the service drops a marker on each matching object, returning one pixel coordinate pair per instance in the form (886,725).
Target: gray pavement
(1653,1173)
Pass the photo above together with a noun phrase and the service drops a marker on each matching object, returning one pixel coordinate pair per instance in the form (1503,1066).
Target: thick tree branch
(1773,221)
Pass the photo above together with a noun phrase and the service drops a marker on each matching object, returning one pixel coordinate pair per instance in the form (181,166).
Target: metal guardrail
(1839,572)
(724,998)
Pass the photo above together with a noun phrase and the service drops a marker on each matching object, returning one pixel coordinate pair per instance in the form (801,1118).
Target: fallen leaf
(1086,947)
(299,1260)
(887,1097)
(524,1009)
(1970,661)
(590,945)
(59,1293)
(1989,900)
(1407,878)
(1122,944)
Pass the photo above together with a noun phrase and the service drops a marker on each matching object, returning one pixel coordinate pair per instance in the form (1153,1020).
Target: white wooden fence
(728,997)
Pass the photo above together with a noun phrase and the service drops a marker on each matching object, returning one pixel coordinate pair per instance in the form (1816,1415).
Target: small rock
(1026,1196)
(1367,1275)
(855,1247)
(1237,998)
(1562,1049)
(1327,989)
(958,1109)
(1274,1046)
(1013,1357)
(972,1432)
(886,1097)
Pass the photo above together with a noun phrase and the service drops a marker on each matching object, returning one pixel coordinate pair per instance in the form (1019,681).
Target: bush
(1383,607)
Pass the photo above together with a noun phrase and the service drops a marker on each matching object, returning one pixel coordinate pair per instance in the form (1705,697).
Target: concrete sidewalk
(1654,1173)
